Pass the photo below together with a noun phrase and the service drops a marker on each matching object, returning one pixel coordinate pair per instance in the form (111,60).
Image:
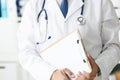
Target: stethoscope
(81,20)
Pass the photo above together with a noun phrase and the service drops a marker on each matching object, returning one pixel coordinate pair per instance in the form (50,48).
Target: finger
(57,75)
(80,76)
(64,77)
(69,73)
(90,57)
(94,66)
(91,60)
(89,76)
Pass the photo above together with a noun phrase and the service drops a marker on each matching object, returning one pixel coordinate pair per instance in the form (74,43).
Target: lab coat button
(49,37)
(37,43)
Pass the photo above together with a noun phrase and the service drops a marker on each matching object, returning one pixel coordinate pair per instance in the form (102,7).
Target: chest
(58,26)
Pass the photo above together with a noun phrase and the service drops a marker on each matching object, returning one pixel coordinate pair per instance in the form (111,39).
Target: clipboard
(68,52)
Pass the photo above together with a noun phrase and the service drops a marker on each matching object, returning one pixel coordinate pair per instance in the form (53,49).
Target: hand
(61,74)
(89,76)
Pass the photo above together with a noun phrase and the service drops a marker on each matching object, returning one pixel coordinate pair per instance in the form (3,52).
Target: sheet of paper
(67,52)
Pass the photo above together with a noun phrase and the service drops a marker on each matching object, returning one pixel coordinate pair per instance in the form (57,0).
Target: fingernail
(84,72)
(80,73)
(72,75)
(88,54)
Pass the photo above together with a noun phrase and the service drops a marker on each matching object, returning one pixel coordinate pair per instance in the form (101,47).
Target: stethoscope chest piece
(81,20)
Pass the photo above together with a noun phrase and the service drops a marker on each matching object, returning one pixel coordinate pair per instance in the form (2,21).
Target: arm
(28,57)
(110,54)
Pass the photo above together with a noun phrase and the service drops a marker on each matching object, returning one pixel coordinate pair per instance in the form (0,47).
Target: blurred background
(10,18)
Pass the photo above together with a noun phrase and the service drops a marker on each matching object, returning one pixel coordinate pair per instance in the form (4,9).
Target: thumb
(91,60)
(69,73)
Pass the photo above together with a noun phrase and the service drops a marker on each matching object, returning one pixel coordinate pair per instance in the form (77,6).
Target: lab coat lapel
(76,4)
(54,7)
(56,17)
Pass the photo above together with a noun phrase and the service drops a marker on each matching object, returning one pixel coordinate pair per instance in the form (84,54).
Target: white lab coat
(99,34)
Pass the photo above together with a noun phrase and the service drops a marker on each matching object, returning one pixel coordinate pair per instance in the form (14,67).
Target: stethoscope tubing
(80,19)
(43,9)
(82,10)
(46,16)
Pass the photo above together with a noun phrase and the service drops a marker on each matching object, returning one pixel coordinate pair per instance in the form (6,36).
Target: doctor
(43,23)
